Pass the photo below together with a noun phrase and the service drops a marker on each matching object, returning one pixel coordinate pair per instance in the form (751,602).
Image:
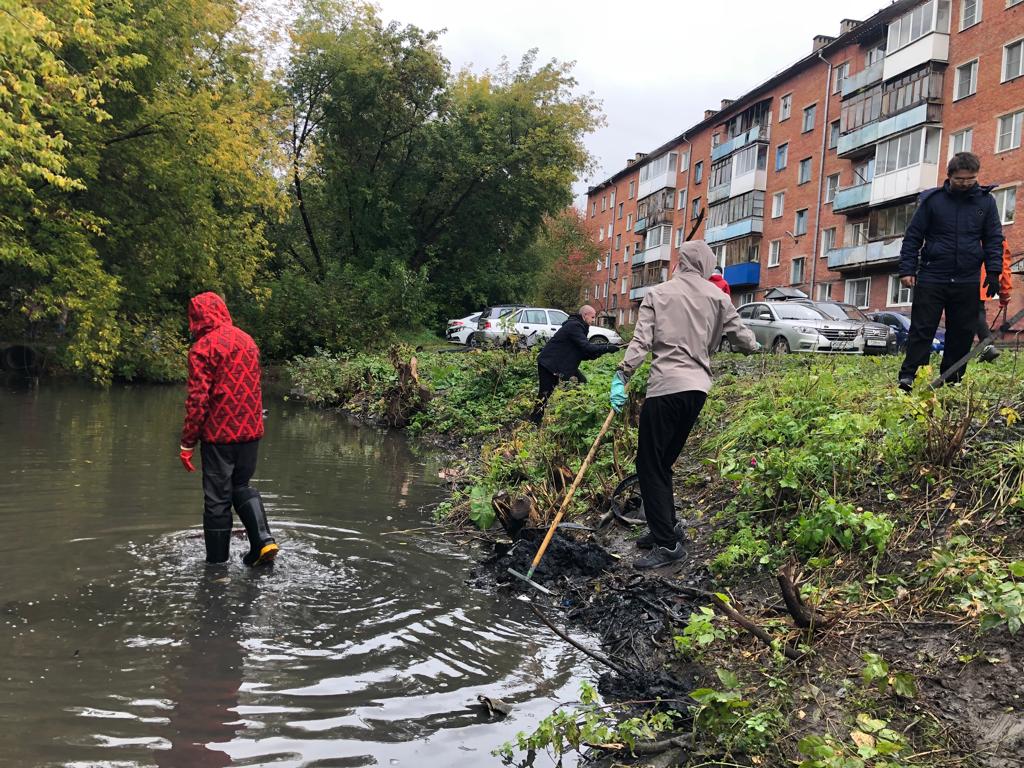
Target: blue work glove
(618,393)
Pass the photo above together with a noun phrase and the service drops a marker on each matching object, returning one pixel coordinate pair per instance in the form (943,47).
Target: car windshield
(798,312)
(842,311)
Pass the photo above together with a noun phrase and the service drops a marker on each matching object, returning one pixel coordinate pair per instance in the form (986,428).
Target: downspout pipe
(821,175)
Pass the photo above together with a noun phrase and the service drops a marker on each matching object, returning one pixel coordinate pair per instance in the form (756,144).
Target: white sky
(655,65)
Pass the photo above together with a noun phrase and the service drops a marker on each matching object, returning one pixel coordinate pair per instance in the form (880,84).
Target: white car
(537,325)
(459,331)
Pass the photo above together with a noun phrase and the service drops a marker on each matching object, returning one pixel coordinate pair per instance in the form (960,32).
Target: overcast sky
(655,65)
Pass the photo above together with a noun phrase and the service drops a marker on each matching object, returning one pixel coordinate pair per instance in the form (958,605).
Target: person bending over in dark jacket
(955,230)
(561,357)
(224,411)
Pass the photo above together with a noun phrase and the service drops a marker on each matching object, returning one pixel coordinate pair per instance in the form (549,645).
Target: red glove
(186,458)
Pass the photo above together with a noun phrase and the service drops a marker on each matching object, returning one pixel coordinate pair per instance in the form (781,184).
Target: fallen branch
(579,646)
(803,616)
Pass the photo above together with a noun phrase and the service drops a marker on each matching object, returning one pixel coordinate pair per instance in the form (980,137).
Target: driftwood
(408,396)
(579,646)
(514,515)
(804,616)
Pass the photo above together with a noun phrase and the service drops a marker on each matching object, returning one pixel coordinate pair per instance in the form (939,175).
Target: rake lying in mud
(528,576)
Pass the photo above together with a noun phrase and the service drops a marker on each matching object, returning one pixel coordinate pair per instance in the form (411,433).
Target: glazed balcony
(876,254)
(755,134)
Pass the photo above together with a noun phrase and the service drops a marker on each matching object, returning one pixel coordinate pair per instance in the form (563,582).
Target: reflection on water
(121,648)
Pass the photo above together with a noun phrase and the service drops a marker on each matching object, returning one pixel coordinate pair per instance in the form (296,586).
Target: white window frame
(785,106)
(977,14)
(850,286)
(1006,203)
(806,164)
(784,148)
(1006,49)
(823,292)
(779,205)
(904,296)
(802,262)
(629,222)
(679,236)
(1011,3)
(632,188)
(972,87)
(774,253)
(625,284)
(698,172)
(831,187)
(695,208)
(964,146)
(684,161)
(824,240)
(593,208)
(600,235)
(839,73)
(618,242)
(1016,121)
(611,229)
(796,221)
(682,199)
(810,110)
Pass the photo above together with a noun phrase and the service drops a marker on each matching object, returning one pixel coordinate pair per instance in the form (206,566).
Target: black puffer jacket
(952,235)
(569,346)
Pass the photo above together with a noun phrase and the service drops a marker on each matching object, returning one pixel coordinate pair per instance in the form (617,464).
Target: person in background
(224,411)
(561,357)
(718,279)
(990,352)
(681,322)
(955,229)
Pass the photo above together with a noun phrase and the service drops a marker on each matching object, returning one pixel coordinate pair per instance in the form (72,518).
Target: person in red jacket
(224,412)
(718,279)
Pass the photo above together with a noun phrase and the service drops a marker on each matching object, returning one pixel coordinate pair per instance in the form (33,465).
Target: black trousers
(665,423)
(226,468)
(547,381)
(983,331)
(960,302)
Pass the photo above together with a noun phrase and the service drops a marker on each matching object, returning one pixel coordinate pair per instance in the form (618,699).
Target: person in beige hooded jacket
(681,322)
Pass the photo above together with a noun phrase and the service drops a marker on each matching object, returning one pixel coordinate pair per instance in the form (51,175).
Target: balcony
(864,78)
(865,137)
(636,294)
(640,226)
(719,192)
(661,252)
(881,253)
(735,229)
(748,182)
(903,183)
(743,274)
(757,133)
(933,47)
(657,181)
(852,198)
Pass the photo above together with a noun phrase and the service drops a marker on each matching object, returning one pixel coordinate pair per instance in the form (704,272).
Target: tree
(566,248)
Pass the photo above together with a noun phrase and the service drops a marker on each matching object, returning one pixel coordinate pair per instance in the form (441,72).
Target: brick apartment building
(810,179)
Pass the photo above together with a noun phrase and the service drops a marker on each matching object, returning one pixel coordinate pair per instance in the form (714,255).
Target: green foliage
(481,511)
(872,743)
(847,527)
(151,350)
(589,725)
(700,633)
(876,673)
(726,717)
(746,548)
(566,249)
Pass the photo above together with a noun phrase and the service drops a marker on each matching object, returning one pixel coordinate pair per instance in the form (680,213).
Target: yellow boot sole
(267,555)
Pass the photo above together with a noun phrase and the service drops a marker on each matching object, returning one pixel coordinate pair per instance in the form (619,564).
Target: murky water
(363,646)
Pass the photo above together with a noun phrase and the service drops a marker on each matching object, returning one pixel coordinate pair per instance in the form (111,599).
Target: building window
(621,206)
(629,222)
(1008,132)
(670,199)
(857,233)
(612,203)
(858,292)
(800,223)
(695,208)
(796,270)
(828,240)
(615,271)
(831,187)
(593,208)
(1011,3)
(774,253)
(805,170)
(839,74)
(749,205)
(698,172)
(778,204)
(823,292)
(926,18)
(781,156)
(907,150)
(679,236)
(607,259)
(833,134)
(962,141)
(1013,60)
(785,107)
(605,287)
(604,203)
(625,285)
(600,235)
(1006,202)
(809,113)
(610,225)
(899,295)
(682,199)
(632,189)
(966,80)
(970,13)
(684,162)
(618,242)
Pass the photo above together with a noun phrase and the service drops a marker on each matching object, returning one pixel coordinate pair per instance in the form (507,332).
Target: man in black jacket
(561,357)
(954,231)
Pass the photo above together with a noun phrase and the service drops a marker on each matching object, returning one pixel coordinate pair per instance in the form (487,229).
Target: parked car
(458,331)
(900,323)
(875,338)
(491,319)
(535,325)
(795,326)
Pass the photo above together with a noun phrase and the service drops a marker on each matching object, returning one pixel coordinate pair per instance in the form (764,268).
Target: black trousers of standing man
(960,302)
(665,423)
(226,468)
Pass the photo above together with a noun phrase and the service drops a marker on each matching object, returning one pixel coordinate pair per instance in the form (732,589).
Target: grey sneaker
(905,385)
(647,540)
(660,556)
(989,354)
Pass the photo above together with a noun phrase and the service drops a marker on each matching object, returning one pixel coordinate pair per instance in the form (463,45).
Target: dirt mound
(564,557)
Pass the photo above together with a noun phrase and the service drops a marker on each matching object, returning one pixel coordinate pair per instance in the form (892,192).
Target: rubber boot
(249,508)
(218,544)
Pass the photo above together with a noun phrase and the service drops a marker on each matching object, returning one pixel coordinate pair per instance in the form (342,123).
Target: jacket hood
(577,316)
(206,312)
(718,280)
(696,257)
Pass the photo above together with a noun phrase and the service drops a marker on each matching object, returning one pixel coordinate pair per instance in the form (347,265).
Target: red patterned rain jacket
(225,402)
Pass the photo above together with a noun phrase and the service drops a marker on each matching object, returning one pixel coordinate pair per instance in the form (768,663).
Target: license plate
(876,342)
(842,345)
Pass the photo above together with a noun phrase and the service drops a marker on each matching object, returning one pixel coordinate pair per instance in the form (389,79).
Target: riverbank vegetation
(327,171)
(854,585)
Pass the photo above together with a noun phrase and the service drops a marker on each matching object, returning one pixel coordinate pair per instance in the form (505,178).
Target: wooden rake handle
(572,490)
